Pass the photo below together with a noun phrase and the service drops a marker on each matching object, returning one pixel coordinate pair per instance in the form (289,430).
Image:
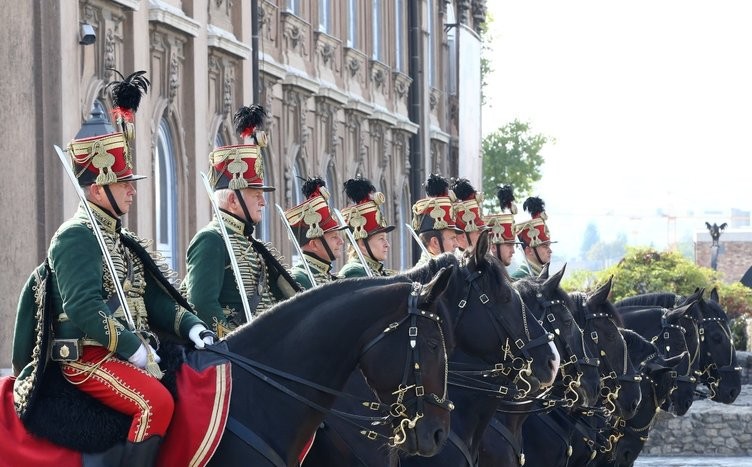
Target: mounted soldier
(369,229)
(317,232)
(502,226)
(237,177)
(433,219)
(95,303)
(535,238)
(468,213)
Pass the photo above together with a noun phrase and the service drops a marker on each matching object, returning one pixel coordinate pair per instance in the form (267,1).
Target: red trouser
(124,387)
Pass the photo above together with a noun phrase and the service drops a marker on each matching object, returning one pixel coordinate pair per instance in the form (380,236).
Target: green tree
(512,155)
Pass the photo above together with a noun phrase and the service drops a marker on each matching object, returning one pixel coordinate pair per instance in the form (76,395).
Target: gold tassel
(152,367)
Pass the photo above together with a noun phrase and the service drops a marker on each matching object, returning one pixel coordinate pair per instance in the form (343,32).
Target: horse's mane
(529,287)
(425,272)
(662,299)
(581,308)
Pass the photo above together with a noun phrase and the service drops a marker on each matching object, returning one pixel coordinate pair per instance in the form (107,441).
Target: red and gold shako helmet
(100,153)
(467,209)
(534,232)
(501,225)
(436,210)
(364,218)
(241,166)
(312,218)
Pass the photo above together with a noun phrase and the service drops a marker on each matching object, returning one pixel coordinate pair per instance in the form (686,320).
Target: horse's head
(417,390)
(718,366)
(552,308)
(687,371)
(619,380)
(672,342)
(491,322)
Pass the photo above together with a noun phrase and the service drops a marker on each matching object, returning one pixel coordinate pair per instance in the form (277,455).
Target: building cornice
(162,12)
(226,41)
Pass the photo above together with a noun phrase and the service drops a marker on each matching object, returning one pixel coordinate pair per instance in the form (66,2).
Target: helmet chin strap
(469,242)
(537,256)
(498,250)
(368,248)
(441,242)
(118,212)
(327,248)
(241,201)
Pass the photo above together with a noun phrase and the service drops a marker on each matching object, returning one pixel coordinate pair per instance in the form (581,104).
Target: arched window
(405,239)
(298,172)
(165,196)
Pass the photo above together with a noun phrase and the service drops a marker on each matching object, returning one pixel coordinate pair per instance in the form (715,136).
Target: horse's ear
(431,291)
(697,295)
(481,248)
(714,295)
(552,283)
(674,315)
(543,275)
(600,296)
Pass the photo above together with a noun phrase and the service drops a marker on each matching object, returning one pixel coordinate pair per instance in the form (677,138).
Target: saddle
(71,418)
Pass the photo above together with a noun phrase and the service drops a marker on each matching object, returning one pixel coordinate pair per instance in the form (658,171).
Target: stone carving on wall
(220,14)
(107,22)
(327,51)
(378,144)
(296,33)
(463,6)
(355,61)
(433,98)
(267,13)
(401,149)
(326,112)
(402,84)
(380,77)
(356,138)
(167,63)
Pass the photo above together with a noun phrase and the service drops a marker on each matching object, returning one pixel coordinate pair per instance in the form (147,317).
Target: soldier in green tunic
(535,238)
(236,175)
(433,219)
(98,349)
(318,233)
(369,229)
(502,226)
(468,214)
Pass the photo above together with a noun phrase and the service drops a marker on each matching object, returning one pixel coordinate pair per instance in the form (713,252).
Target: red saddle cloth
(21,448)
(196,428)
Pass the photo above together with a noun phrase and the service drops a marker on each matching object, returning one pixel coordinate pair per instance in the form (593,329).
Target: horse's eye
(432,344)
(717,338)
(568,322)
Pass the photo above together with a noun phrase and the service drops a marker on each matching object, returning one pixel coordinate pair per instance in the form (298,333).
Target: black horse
(487,318)
(288,363)
(657,383)
(718,368)
(576,385)
(676,333)
(570,437)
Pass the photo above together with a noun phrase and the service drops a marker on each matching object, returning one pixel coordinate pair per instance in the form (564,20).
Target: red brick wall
(734,255)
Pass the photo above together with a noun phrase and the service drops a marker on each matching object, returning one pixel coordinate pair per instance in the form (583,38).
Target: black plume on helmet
(311,185)
(534,205)
(248,118)
(127,93)
(506,196)
(358,189)
(463,189)
(436,185)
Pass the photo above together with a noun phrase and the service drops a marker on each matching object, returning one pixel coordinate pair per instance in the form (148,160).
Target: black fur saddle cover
(71,418)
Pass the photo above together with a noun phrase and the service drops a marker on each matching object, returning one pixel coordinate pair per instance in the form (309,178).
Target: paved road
(650,461)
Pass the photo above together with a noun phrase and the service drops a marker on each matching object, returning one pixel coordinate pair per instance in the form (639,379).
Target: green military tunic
(320,269)
(526,270)
(425,257)
(84,303)
(210,284)
(354,268)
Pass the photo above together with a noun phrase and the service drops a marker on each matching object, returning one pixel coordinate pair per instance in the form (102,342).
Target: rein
(395,410)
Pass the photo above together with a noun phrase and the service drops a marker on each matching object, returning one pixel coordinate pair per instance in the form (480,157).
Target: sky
(650,103)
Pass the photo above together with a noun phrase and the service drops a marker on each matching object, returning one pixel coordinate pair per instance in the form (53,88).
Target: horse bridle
(398,408)
(705,374)
(522,365)
(571,382)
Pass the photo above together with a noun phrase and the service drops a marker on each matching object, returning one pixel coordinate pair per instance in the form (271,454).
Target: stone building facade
(353,86)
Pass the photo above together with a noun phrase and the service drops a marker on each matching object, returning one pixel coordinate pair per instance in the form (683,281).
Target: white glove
(194,336)
(140,356)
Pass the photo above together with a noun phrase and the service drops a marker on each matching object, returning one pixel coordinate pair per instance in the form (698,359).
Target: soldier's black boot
(109,458)
(143,454)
